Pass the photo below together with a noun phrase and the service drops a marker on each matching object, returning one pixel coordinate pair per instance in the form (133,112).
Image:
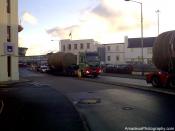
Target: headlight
(87,72)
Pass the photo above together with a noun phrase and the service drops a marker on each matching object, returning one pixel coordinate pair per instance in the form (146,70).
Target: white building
(9,40)
(76,46)
(133,50)
(114,53)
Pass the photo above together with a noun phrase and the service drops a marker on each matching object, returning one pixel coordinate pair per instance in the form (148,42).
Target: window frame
(8,4)
(8,33)
(81,46)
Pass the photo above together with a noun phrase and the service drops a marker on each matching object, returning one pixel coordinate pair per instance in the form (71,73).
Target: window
(9,65)
(81,46)
(88,45)
(64,48)
(109,58)
(69,46)
(108,48)
(8,6)
(8,34)
(117,58)
(149,61)
(75,46)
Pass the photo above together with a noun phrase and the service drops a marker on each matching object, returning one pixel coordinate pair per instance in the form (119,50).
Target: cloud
(29,18)
(63,33)
(108,18)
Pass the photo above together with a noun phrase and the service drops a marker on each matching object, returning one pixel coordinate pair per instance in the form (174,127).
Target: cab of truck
(89,64)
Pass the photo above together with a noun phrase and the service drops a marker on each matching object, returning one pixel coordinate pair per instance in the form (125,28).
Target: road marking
(2,106)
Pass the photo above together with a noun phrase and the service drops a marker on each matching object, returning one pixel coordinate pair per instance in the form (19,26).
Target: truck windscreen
(92,58)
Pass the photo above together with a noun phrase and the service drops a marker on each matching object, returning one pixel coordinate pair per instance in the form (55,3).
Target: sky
(106,21)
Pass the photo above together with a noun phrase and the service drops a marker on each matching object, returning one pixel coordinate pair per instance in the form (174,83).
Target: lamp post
(158,11)
(141,32)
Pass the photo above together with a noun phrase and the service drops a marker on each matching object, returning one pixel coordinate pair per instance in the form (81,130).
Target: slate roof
(136,42)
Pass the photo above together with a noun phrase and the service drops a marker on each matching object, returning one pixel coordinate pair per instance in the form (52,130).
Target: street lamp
(158,11)
(141,32)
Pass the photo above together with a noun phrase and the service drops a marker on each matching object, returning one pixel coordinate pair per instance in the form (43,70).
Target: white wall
(135,54)
(113,51)
(67,42)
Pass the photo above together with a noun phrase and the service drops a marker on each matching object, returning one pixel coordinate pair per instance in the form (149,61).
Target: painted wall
(116,53)
(9,19)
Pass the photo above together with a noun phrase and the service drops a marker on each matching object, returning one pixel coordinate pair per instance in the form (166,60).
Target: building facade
(9,40)
(114,53)
(35,60)
(133,50)
(76,46)
(22,51)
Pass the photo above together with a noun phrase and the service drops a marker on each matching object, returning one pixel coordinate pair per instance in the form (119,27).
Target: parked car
(43,68)
(121,69)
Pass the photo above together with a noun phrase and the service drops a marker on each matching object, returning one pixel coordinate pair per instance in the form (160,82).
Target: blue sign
(8,48)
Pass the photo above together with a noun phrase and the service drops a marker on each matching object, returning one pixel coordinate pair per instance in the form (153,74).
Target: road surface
(114,108)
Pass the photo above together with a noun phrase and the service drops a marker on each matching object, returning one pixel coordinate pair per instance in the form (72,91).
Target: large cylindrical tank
(164,51)
(61,60)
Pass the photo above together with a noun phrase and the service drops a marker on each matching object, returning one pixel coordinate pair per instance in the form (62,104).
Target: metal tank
(61,60)
(164,51)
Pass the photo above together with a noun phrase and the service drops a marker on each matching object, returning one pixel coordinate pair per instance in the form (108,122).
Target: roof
(136,42)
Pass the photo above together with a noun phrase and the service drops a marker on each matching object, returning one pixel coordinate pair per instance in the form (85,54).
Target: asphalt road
(113,108)
(31,106)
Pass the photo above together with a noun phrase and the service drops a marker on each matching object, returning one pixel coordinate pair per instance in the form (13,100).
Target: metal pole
(142,59)
(157,11)
(142,38)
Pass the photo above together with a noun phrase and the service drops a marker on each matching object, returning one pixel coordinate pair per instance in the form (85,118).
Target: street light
(158,11)
(141,32)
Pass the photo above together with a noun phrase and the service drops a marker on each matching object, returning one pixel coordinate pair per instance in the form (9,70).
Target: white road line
(2,106)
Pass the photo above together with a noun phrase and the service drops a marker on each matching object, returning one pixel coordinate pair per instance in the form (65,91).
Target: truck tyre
(155,81)
(171,83)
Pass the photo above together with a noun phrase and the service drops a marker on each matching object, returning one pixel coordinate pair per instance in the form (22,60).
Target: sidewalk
(130,83)
(29,107)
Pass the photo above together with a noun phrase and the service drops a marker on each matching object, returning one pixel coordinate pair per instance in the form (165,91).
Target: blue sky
(106,21)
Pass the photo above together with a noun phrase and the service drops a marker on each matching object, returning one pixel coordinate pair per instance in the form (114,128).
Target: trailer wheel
(155,81)
(171,83)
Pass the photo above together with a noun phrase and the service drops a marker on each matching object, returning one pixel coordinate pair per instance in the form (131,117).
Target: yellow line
(2,107)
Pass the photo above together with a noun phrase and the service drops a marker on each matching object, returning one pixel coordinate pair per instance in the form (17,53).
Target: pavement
(30,106)
(127,81)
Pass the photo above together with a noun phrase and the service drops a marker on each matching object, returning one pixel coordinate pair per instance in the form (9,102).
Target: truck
(88,64)
(164,60)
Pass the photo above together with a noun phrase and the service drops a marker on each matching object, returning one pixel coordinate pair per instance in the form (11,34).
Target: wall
(9,19)
(116,53)
(64,46)
(135,54)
